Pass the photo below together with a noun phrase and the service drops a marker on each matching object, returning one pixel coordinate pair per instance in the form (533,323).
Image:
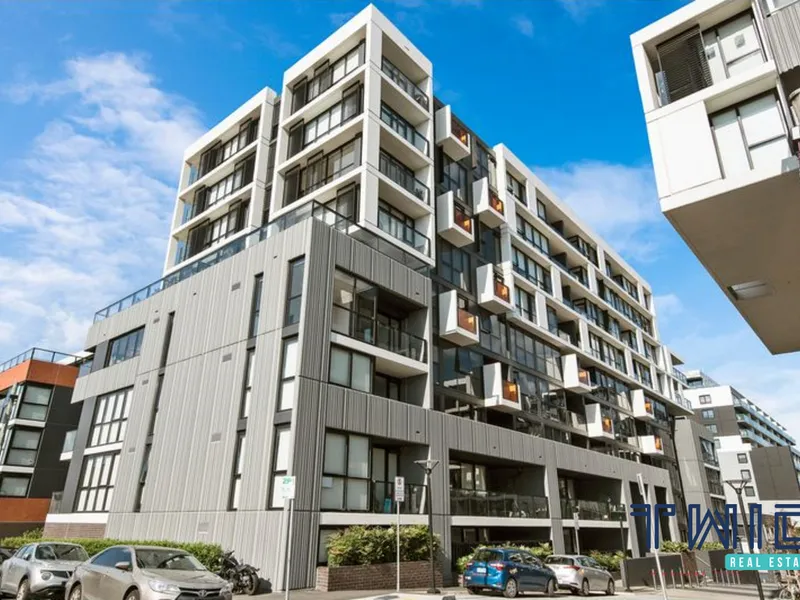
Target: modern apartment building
(399,290)
(751,445)
(37,423)
(720,86)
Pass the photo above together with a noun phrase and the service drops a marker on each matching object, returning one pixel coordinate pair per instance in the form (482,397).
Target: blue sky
(98,100)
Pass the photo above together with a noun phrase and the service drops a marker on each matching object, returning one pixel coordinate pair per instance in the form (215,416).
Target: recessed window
(705,399)
(350,369)
(125,347)
(742,459)
(746,475)
(345,473)
(14,486)
(708,414)
(247,390)
(111,418)
(749,491)
(280,464)
(97,483)
(288,374)
(712,427)
(255,307)
(236,477)
(23,447)
(294,294)
(35,402)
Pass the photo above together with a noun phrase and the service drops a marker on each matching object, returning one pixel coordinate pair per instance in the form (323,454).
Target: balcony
(222,152)
(403,232)
(451,135)
(404,83)
(599,423)
(452,221)
(576,379)
(488,206)
(210,233)
(481,503)
(369,330)
(652,444)
(39,354)
(404,129)
(230,187)
(404,177)
(456,324)
(499,393)
(493,293)
(642,406)
(319,172)
(592,510)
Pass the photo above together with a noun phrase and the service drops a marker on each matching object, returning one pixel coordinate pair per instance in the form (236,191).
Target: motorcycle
(242,577)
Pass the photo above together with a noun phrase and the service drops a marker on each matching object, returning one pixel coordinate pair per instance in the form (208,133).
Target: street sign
(287,487)
(576,518)
(399,489)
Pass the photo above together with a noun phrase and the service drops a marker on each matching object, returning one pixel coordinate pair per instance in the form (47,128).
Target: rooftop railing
(38,354)
(302,213)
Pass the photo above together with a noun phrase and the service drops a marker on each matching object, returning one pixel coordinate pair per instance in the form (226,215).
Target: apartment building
(750,444)
(37,423)
(401,291)
(720,86)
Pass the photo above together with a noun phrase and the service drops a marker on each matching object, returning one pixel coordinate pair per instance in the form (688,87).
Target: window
(111,557)
(531,270)
(97,483)
(35,402)
(167,339)
(454,178)
(742,458)
(111,418)
(280,464)
(526,303)
(746,475)
(125,347)
(236,477)
(294,293)
(350,369)
(247,391)
(288,374)
(326,75)
(532,235)
(708,413)
(454,265)
(705,399)
(15,486)
(533,353)
(541,210)
(515,187)
(321,125)
(23,447)
(255,307)
(712,428)
(386,387)
(345,473)
(749,491)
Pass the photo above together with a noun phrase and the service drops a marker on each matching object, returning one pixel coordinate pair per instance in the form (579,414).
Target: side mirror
(123,566)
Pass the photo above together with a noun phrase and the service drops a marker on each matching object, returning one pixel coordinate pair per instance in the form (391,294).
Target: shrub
(713,546)
(208,554)
(669,546)
(362,545)
(607,560)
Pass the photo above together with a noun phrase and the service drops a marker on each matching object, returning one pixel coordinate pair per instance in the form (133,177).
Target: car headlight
(163,587)
(46,575)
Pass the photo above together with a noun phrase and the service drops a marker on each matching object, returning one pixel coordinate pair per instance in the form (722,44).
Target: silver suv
(40,570)
(145,573)
(580,574)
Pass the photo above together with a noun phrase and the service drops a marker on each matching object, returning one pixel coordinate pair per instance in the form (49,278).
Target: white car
(580,574)
(40,570)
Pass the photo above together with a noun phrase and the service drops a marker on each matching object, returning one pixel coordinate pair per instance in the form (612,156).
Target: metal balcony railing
(592,510)
(404,129)
(479,503)
(404,177)
(41,354)
(408,86)
(371,331)
(403,232)
(383,498)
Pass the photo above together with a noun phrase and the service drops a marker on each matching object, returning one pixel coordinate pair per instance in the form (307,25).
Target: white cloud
(580,9)
(668,306)
(618,201)
(523,24)
(84,214)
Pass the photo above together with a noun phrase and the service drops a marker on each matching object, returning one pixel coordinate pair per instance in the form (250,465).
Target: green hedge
(361,545)
(208,554)
(669,546)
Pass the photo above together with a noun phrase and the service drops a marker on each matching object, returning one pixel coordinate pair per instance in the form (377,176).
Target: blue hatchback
(509,570)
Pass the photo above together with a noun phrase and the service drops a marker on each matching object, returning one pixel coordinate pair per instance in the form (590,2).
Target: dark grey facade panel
(783,30)
(774,473)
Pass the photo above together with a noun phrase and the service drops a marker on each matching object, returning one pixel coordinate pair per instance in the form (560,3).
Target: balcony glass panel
(467,321)
(383,498)
(402,230)
(405,129)
(369,330)
(408,86)
(403,176)
(328,75)
(481,503)
(459,132)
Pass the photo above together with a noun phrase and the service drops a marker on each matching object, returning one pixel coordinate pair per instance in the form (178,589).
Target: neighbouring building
(37,426)
(365,284)
(720,86)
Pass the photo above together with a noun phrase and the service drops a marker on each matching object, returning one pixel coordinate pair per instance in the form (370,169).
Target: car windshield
(486,555)
(558,560)
(174,560)
(60,552)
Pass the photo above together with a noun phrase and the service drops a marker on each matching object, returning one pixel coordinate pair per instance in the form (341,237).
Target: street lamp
(428,466)
(738,485)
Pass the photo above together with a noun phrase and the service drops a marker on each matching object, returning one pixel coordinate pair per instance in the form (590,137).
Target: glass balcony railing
(462,219)
(302,213)
(369,330)
(677,374)
(41,354)
(404,177)
(501,291)
(467,321)
(510,391)
(405,129)
(408,86)
(459,132)
(592,510)
(717,488)
(383,498)
(496,203)
(404,232)
(480,503)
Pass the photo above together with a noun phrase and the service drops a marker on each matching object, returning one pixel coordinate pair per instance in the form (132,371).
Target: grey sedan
(40,570)
(145,573)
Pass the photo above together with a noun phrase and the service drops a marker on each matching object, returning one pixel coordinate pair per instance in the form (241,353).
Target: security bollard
(738,581)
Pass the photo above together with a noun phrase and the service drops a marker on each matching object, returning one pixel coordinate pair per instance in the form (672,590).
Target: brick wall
(74,530)
(413,575)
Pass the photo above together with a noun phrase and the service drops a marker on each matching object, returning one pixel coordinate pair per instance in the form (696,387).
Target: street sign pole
(399,496)
(643,492)
(576,520)
(287,493)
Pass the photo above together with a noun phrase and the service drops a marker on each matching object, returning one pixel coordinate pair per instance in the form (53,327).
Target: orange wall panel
(24,510)
(40,372)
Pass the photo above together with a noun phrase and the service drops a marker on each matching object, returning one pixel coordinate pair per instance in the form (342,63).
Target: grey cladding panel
(783,29)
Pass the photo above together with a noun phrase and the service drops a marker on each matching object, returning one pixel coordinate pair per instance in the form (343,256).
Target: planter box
(413,575)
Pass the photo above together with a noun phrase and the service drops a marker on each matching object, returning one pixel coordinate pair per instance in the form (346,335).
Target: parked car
(508,570)
(6,553)
(580,574)
(145,573)
(40,570)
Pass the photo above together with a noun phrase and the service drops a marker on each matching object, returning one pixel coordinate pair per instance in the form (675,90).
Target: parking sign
(287,487)
(399,489)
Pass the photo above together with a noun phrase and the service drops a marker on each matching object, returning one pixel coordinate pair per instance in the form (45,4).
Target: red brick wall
(74,530)
(413,576)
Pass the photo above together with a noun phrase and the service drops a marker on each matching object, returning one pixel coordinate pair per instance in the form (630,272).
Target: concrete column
(551,490)
(632,537)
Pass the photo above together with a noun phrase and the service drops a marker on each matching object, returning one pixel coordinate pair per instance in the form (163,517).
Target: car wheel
(24,590)
(585,587)
(550,588)
(472,591)
(132,595)
(610,588)
(511,589)
(76,593)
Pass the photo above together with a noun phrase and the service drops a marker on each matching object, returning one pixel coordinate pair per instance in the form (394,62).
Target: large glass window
(350,369)
(288,374)
(280,464)
(35,402)
(454,178)
(23,447)
(533,353)
(339,113)
(327,75)
(531,270)
(14,486)
(236,476)
(111,418)
(526,304)
(515,187)
(125,347)
(294,294)
(345,473)
(532,235)
(97,483)
(454,265)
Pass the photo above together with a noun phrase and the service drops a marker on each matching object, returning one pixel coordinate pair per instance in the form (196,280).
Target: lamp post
(428,466)
(738,485)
